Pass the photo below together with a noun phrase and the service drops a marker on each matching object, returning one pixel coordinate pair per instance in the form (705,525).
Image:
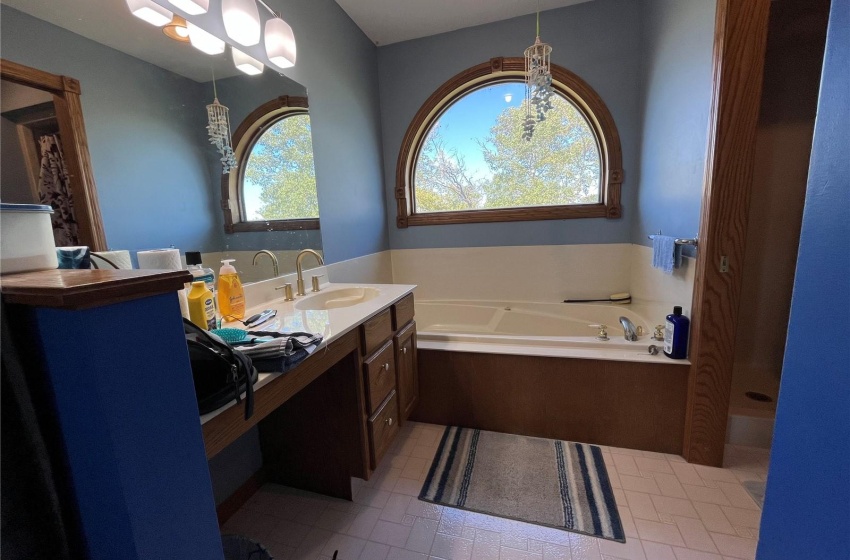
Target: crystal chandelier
(538,83)
(218,117)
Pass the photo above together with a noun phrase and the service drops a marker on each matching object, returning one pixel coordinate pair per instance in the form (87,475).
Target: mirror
(144,96)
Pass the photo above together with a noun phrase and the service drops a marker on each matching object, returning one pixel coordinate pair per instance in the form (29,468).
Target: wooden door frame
(739,51)
(69,113)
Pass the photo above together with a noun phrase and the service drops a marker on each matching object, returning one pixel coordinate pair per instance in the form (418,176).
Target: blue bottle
(676,335)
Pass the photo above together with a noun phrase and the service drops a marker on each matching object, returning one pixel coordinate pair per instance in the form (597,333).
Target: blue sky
(471,117)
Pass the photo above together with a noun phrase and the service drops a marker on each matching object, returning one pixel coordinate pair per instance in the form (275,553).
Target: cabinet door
(407,380)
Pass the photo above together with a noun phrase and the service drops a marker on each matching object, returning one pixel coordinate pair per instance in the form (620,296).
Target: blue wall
(147,143)
(807,507)
(600,41)
(677,44)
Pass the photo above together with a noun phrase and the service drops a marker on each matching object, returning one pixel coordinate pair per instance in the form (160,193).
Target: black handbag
(221,373)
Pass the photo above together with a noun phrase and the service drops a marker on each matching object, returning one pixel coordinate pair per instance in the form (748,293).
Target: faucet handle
(287,291)
(315,279)
(603,331)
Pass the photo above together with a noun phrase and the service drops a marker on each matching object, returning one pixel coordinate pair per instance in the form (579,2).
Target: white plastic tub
(26,238)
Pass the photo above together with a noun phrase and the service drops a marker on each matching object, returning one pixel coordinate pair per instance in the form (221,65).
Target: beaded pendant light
(538,82)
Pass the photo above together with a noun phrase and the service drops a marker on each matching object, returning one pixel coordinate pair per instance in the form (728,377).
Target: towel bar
(680,240)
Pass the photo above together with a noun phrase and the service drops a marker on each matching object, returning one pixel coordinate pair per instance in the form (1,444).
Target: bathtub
(539,329)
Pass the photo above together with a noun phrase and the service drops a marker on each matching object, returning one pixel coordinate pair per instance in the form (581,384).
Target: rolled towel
(666,255)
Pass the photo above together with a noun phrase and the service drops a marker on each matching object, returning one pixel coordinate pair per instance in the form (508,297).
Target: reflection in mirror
(144,98)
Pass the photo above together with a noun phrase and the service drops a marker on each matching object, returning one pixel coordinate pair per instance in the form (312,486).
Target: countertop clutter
(331,323)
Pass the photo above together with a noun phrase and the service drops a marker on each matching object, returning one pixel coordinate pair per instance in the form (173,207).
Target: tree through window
(463,158)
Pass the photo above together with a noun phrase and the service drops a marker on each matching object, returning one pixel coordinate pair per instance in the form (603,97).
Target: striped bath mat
(559,484)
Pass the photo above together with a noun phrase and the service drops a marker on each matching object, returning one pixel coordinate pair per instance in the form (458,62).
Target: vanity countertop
(330,323)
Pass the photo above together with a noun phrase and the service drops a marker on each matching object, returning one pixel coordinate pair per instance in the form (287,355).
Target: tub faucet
(629,329)
(298,259)
(271,255)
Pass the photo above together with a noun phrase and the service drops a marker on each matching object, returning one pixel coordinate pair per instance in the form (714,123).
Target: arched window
(464,159)
(274,187)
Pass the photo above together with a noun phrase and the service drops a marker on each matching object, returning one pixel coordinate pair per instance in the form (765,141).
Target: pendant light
(177,30)
(192,7)
(203,41)
(280,43)
(150,12)
(247,64)
(242,21)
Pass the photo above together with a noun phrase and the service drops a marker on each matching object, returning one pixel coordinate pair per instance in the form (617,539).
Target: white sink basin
(334,299)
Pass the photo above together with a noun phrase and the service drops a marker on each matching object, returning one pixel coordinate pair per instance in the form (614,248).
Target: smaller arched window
(274,187)
(464,158)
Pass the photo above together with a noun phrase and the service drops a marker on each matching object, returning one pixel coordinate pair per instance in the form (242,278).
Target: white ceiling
(391,21)
(110,23)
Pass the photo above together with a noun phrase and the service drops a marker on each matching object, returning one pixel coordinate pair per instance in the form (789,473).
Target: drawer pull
(389,421)
(404,350)
(386,366)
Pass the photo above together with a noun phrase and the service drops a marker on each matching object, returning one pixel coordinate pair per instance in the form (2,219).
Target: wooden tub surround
(624,404)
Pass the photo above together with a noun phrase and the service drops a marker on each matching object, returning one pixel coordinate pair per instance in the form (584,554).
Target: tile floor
(671,510)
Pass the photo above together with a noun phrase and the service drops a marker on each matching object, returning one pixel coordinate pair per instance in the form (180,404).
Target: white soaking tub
(539,329)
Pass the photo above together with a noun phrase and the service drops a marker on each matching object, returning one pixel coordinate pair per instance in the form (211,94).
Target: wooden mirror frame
(570,86)
(69,114)
(243,141)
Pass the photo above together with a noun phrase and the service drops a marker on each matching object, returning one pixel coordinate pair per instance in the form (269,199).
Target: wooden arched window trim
(246,135)
(567,84)
(69,114)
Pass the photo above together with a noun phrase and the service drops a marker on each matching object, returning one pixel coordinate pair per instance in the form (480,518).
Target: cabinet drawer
(375,331)
(380,374)
(403,312)
(383,427)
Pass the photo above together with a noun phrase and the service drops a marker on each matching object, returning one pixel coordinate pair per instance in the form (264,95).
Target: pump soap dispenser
(231,296)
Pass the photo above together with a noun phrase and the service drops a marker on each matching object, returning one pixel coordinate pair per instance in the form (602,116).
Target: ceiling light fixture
(280,43)
(538,82)
(247,64)
(150,12)
(176,29)
(192,7)
(242,21)
(205,42)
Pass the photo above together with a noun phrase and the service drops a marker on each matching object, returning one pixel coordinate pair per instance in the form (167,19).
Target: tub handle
(603,331)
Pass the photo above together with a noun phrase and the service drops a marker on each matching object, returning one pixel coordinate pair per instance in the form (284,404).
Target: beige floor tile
(424,452)
(669,485)
(396,508)
(422,535)
(632,549)
(554,552)
(707,495)
(373,551)
(646,464)
(658,551)
(738,497)
(583,547)
(659,532)
(713,473)
(639,484)
(625,464)
(694,533)
(514,554)
(687,474)
(364,523)
(289,533)
(415,467)
(713,518)
(402,554)
(449,547)
(674,506)
(514,538)
(427,510)
(641,506)
(739,517)
(335,521)
(393,534)
(408,486)
(688,554)
(737,547)
(371,497)
(626,451)
(486,545)
(629,528)
(452,521)
(620,496)
(348,547)
(313,544)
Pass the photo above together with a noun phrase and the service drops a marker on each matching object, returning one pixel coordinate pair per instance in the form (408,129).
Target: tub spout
(629,329)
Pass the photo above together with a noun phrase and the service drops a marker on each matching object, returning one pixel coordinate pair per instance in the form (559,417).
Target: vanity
(334,415)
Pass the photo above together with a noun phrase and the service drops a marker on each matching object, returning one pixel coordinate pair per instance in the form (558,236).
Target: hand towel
(666,255)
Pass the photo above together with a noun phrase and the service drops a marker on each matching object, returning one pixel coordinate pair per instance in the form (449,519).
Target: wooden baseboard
(232,503)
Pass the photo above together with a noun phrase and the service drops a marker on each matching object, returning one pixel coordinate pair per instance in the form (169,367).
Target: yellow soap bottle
(231,296)
(201,308)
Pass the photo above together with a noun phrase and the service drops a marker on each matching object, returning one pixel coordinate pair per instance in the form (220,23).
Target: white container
(26,238)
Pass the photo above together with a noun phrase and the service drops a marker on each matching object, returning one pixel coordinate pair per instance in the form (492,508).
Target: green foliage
(281,163)
(560,165)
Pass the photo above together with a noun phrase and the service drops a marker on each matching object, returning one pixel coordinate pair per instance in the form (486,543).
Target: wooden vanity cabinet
(407,372)
(390,381)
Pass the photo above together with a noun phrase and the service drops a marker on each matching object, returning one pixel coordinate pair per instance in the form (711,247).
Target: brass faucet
(298,259)
(275,265)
